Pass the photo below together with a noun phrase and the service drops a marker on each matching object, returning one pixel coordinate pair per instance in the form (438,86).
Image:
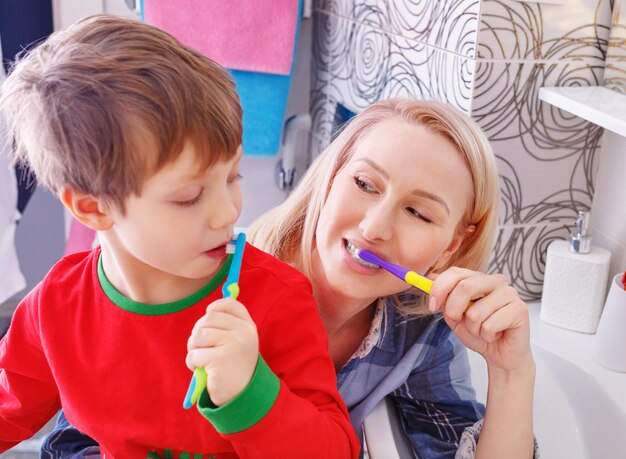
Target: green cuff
(247,408)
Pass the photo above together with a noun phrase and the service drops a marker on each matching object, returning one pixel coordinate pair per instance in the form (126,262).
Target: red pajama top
(117,367)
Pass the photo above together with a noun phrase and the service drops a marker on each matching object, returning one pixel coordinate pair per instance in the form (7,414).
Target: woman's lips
(354,264)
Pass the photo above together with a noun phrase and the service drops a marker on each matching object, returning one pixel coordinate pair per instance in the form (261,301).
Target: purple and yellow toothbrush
(229,289)
(408,276)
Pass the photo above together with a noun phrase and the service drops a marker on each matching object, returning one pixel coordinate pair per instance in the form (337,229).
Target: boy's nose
(377,223)
(225,212)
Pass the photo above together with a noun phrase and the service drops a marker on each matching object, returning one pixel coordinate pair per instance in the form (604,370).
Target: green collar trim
(159,309)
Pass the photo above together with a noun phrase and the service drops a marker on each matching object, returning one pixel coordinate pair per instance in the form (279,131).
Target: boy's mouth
(351,248)
(218,252)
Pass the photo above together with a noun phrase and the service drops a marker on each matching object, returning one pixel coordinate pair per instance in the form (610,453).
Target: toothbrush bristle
(230,247)
(368,256)
(232,244)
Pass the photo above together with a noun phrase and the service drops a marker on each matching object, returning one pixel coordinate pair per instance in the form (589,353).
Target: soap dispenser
(574,284)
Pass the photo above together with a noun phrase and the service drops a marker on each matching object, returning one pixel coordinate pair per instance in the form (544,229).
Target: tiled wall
(615,72)
(488,58)
(370,50)
(609,211)
(608,217)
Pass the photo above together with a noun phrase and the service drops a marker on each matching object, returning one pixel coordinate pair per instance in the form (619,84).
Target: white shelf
(601,106)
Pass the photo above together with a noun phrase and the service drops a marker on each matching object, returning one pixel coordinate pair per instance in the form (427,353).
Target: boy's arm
(28,394)
(291,407)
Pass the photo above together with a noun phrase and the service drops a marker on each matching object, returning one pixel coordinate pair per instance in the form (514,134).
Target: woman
(416,183)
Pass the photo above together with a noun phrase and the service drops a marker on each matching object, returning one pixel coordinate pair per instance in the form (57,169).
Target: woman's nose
(377,222)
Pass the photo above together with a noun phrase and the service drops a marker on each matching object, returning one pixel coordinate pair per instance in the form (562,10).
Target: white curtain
(11,278)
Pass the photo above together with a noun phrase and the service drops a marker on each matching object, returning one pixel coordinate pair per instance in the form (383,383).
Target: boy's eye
(362,184)
(418,214)
(190,202)
(235,178)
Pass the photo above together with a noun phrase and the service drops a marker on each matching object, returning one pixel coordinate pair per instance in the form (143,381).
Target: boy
(140,138)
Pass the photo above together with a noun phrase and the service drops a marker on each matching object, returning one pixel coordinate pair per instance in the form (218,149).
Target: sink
(579,406)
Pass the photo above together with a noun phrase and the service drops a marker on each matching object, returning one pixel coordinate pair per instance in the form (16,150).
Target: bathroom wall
(489,58)
(609,211)
(615,72)
(608,217)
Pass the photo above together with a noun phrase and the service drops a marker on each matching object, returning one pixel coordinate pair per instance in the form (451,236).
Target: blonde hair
(85,106)
(288,231)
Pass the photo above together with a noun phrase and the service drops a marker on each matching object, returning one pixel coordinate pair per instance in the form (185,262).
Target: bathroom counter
(575,347)
(579,409)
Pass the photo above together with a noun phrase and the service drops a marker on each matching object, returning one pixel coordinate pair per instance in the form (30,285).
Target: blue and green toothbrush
(229,289)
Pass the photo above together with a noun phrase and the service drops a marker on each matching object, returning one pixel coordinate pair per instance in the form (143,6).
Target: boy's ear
(87,209)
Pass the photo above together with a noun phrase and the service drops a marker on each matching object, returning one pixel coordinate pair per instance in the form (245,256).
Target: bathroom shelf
(601,106)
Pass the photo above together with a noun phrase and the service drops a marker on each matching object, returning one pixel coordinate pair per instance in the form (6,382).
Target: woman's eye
(362,184)
(418,214)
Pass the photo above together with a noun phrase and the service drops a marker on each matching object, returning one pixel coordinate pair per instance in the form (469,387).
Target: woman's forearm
(508,426)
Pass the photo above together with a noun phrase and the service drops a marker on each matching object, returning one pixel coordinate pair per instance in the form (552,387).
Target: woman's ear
(87,209)
(454,246)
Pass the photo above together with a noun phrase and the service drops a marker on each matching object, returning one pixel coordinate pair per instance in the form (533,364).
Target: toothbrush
(408,276)
(229,289)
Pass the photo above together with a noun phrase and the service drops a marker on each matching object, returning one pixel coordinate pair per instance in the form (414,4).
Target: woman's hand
(496,324)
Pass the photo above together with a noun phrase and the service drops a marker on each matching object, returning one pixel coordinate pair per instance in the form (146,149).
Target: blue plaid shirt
(416,360)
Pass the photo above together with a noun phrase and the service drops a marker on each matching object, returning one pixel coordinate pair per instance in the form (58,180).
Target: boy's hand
(226,344)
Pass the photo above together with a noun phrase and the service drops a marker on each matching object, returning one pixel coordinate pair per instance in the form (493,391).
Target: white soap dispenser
(574,284)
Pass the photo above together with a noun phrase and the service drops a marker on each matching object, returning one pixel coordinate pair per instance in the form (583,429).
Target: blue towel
(264,101)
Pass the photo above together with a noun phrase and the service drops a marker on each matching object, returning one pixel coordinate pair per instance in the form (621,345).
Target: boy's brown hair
(86,107)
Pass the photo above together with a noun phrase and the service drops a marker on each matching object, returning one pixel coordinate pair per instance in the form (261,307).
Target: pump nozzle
(580,239)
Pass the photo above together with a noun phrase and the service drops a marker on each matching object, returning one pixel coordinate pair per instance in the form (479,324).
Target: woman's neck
(345,341)
(347,321)
(339,312)
(346,317)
